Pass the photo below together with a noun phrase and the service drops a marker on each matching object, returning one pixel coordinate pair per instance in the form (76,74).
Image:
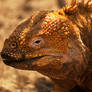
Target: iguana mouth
(10,60)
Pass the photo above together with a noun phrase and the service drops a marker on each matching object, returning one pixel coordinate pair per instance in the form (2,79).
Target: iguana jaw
(25,63)
(10,61)
(7,61)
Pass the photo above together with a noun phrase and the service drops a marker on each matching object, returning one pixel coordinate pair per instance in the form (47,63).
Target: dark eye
(13,45)
(36,42)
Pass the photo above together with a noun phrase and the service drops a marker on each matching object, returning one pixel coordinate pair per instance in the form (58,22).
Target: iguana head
(46,42)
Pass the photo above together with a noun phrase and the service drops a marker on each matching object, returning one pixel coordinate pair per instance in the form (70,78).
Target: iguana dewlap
(57,44)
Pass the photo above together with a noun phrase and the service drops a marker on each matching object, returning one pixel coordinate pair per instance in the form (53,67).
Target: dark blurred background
(12,12)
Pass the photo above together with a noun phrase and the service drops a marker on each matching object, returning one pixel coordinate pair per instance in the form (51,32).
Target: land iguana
(57,44)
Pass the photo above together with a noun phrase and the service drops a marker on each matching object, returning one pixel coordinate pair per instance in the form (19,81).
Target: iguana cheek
(51,62)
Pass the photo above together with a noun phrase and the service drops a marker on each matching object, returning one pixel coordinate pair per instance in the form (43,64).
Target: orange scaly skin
(57,44)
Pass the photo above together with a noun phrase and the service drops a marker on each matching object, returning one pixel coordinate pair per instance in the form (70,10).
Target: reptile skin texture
(57,44)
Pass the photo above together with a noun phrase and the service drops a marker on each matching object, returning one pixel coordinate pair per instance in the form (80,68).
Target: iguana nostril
(3,55)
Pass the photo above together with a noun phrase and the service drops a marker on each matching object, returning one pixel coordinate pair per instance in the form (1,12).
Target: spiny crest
(74,5)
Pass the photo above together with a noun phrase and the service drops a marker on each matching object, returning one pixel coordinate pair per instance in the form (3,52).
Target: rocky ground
(11,13)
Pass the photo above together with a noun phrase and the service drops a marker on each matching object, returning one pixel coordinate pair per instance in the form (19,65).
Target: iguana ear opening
(36,42)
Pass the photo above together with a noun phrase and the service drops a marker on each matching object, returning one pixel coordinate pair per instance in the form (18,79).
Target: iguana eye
(13,45)
(36,42)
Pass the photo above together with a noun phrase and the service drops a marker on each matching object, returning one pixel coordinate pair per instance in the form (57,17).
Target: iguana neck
(64,85)
(83,21)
